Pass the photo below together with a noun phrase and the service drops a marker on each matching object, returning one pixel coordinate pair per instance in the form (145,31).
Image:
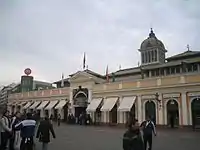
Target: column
(89,95)
(71,109)
(160,110)
(139,108)
(184,109)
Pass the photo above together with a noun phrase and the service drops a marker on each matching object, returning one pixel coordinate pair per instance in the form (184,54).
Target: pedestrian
(43,132)
(59,119)
(6,131)
(132,138)
(15,139)
(148,127)
(51,119)
(27,128)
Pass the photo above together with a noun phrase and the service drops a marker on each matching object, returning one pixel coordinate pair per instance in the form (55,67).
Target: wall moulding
(193,94)
(171,95)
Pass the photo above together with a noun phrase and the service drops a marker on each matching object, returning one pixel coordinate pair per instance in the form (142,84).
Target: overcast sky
(50,36)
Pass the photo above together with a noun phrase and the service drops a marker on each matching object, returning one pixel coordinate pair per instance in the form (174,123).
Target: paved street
(104,138)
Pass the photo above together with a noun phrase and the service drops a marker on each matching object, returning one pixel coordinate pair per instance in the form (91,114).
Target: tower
(152,50)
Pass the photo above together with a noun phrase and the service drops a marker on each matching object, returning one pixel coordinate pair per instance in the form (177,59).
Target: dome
(151,41)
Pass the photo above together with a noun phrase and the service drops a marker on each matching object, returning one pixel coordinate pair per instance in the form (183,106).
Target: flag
(62,81)
(84,60)
(107,76)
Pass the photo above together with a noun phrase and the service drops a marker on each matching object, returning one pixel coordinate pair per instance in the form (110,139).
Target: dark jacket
(132,140)
(44,130)
(148,128)
(27,128)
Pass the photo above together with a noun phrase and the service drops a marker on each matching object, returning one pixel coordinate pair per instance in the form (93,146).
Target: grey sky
(50,36)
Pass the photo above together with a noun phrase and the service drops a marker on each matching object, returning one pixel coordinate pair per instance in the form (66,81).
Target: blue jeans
(44,146)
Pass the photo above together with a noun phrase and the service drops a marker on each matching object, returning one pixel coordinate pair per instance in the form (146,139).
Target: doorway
(172,113)
(195,107)
(113,115)
(150,110)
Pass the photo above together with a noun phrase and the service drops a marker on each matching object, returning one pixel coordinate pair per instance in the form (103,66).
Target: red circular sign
(27,71)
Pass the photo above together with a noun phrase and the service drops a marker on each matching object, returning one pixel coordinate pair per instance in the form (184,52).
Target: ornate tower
(152,50)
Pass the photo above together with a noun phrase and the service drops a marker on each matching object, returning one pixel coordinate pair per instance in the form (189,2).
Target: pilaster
(184,108)
(139,108)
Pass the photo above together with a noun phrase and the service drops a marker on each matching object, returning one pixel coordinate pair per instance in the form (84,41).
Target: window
(162,72)
(178,69)
(152,59)
(142,57)
(156,59)
(168,71)
(153,73)
(172,70)
(189,67)
(157,72)
(195,67)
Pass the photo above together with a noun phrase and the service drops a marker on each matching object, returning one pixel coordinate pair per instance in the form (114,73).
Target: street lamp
(157,99)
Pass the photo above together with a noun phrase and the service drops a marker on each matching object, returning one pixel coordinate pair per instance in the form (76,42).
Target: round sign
(27,71)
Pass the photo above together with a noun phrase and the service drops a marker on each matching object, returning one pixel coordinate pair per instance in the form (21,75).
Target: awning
(61,104)
(94,104)
(51,105)
(127,103)
(109,103)
(42,105)
(11,103)
(27,105)
(35,104)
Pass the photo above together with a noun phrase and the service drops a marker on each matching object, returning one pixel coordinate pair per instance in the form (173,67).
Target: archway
(80,102)
(195,107)
(150,110)
(172,113)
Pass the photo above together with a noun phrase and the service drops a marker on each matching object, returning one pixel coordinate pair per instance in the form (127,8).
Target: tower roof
(151,41)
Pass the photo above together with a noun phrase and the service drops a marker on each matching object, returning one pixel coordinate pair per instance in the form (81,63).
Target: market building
(164,88)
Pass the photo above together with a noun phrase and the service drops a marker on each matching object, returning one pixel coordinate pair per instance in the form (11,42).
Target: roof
(184,54)
(42,82)
(90,72)
(65,80)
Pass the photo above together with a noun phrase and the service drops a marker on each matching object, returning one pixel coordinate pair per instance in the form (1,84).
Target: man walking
(148,128)
(43,132)
(27,128)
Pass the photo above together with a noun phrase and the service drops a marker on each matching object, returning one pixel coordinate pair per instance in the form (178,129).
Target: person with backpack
(27,128)
(149,128)
(132,138)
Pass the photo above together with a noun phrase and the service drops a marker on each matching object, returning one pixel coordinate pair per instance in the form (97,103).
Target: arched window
(156,54)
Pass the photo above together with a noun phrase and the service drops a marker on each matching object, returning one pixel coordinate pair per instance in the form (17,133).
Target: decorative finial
(188,47)
(152,34)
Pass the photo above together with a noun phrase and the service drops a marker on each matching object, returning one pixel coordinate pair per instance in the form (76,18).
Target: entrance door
(195,107)
(150,110)
(172,113)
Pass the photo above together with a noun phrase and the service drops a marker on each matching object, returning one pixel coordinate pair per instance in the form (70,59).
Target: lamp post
(158,100)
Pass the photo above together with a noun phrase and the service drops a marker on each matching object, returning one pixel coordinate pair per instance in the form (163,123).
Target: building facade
(164,88)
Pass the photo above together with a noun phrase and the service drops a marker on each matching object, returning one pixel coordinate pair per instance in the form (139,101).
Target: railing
(40,94)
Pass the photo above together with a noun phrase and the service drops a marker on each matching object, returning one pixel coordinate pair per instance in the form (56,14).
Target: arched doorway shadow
(80,102)
(172,113)
(150,110)
(195,108)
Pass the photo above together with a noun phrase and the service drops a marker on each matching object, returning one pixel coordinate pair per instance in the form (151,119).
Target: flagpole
(84,61)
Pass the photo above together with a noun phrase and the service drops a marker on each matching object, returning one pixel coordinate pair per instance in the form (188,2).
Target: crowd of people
(18,131)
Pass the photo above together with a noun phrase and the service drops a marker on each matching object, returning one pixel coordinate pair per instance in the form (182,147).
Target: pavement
(75,137)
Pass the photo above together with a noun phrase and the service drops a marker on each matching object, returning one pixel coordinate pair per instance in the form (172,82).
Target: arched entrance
(195,107)
(150,110)
(172,113)
(80,102)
